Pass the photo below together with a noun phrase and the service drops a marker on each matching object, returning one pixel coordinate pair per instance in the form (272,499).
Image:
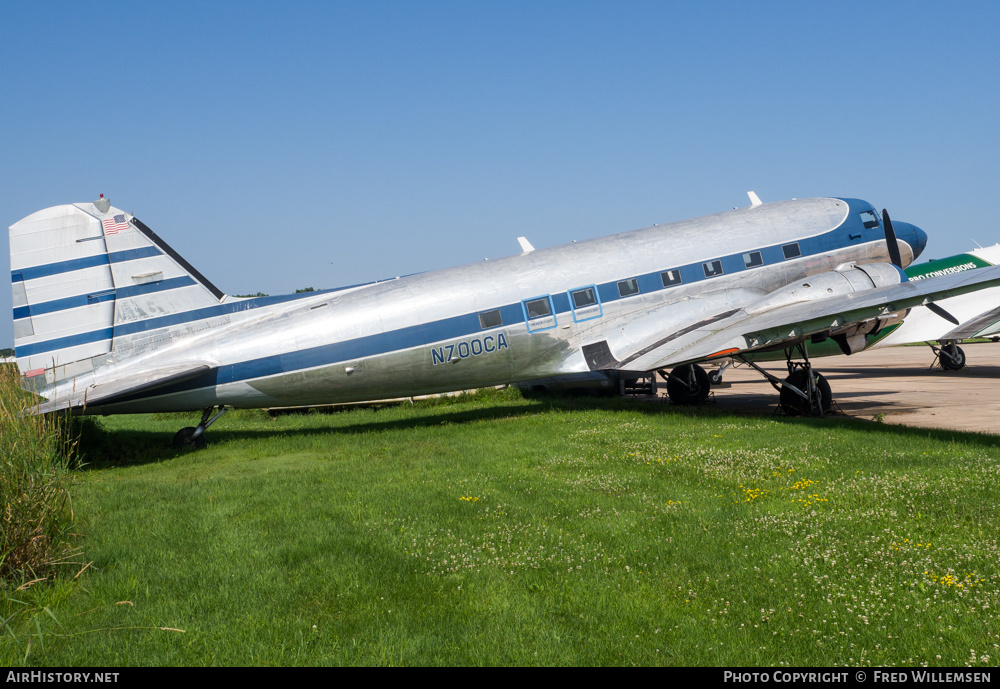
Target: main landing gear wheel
(822,396)
(688,385)
(952,358)
(185,438)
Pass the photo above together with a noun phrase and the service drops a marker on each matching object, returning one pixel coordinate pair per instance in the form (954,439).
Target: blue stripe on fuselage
(467,324)
(511,313)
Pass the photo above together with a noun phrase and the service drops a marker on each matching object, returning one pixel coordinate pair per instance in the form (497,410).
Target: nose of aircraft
(912,235)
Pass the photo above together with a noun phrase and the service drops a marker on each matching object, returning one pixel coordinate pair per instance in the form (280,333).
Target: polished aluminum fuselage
(422,334)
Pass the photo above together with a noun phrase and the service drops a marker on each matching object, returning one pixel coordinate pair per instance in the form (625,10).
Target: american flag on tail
(115,225)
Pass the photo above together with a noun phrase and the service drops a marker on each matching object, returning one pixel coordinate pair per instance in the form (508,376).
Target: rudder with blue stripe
(80,273)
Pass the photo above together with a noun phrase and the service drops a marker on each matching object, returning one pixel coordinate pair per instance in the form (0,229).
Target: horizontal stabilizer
(977,327)
(139,384)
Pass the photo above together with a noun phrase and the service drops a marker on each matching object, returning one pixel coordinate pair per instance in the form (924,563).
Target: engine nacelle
(855,338)
(849,280)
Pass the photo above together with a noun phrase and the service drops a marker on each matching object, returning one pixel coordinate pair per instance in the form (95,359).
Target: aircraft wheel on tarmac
(792,403)
(715,377)
(688,385)
(183,439)
(952,358)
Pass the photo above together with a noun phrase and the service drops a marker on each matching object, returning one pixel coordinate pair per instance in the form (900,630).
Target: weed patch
(35,453)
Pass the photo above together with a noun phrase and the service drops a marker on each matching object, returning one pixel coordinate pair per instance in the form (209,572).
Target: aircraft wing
(739,331)
(120,389)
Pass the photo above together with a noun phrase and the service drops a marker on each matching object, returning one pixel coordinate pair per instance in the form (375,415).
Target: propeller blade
(941,312)
(890,240)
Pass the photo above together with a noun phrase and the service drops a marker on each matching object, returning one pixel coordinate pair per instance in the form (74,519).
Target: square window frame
(705,266)
(635,280)
(597,303)
(797,249)
(678,281)
(539,319)
(752,263)
(483,326)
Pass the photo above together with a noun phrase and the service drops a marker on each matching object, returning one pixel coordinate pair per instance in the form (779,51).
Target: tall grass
(35,455)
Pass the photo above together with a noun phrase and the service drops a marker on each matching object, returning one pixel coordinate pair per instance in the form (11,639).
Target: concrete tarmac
(896,382)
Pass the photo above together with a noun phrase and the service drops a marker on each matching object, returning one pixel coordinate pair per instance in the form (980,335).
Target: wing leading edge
(730,333)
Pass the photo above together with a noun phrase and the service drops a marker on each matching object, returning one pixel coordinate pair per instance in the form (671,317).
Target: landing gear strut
(715,376)
(804,391)
(817,398)
(194,436)
(950,356)
(687,384)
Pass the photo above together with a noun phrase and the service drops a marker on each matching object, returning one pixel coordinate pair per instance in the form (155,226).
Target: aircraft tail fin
(86,278)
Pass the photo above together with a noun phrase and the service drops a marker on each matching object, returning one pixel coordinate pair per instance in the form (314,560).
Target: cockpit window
(869,219)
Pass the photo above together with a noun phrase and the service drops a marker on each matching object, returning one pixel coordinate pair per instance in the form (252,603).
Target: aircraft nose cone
(912,235)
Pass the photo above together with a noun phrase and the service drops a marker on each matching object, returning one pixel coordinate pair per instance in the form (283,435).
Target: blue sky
(291,144)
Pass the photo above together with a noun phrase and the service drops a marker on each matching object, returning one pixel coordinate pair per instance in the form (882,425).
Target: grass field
(497,530)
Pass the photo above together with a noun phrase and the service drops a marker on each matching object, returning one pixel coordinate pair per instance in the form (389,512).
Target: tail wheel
(952,358)
(688,385)
(184,438)
(822,395)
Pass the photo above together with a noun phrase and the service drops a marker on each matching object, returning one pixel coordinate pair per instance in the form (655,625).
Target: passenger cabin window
(712,268)
(538,314)
(583,298)
(490,319)
(627,288)
(753,259)
(869,219)
(791,250)
(671,277)
(585,304)
(538,308)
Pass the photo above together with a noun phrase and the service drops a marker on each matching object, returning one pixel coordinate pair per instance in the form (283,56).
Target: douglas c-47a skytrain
(109,319)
